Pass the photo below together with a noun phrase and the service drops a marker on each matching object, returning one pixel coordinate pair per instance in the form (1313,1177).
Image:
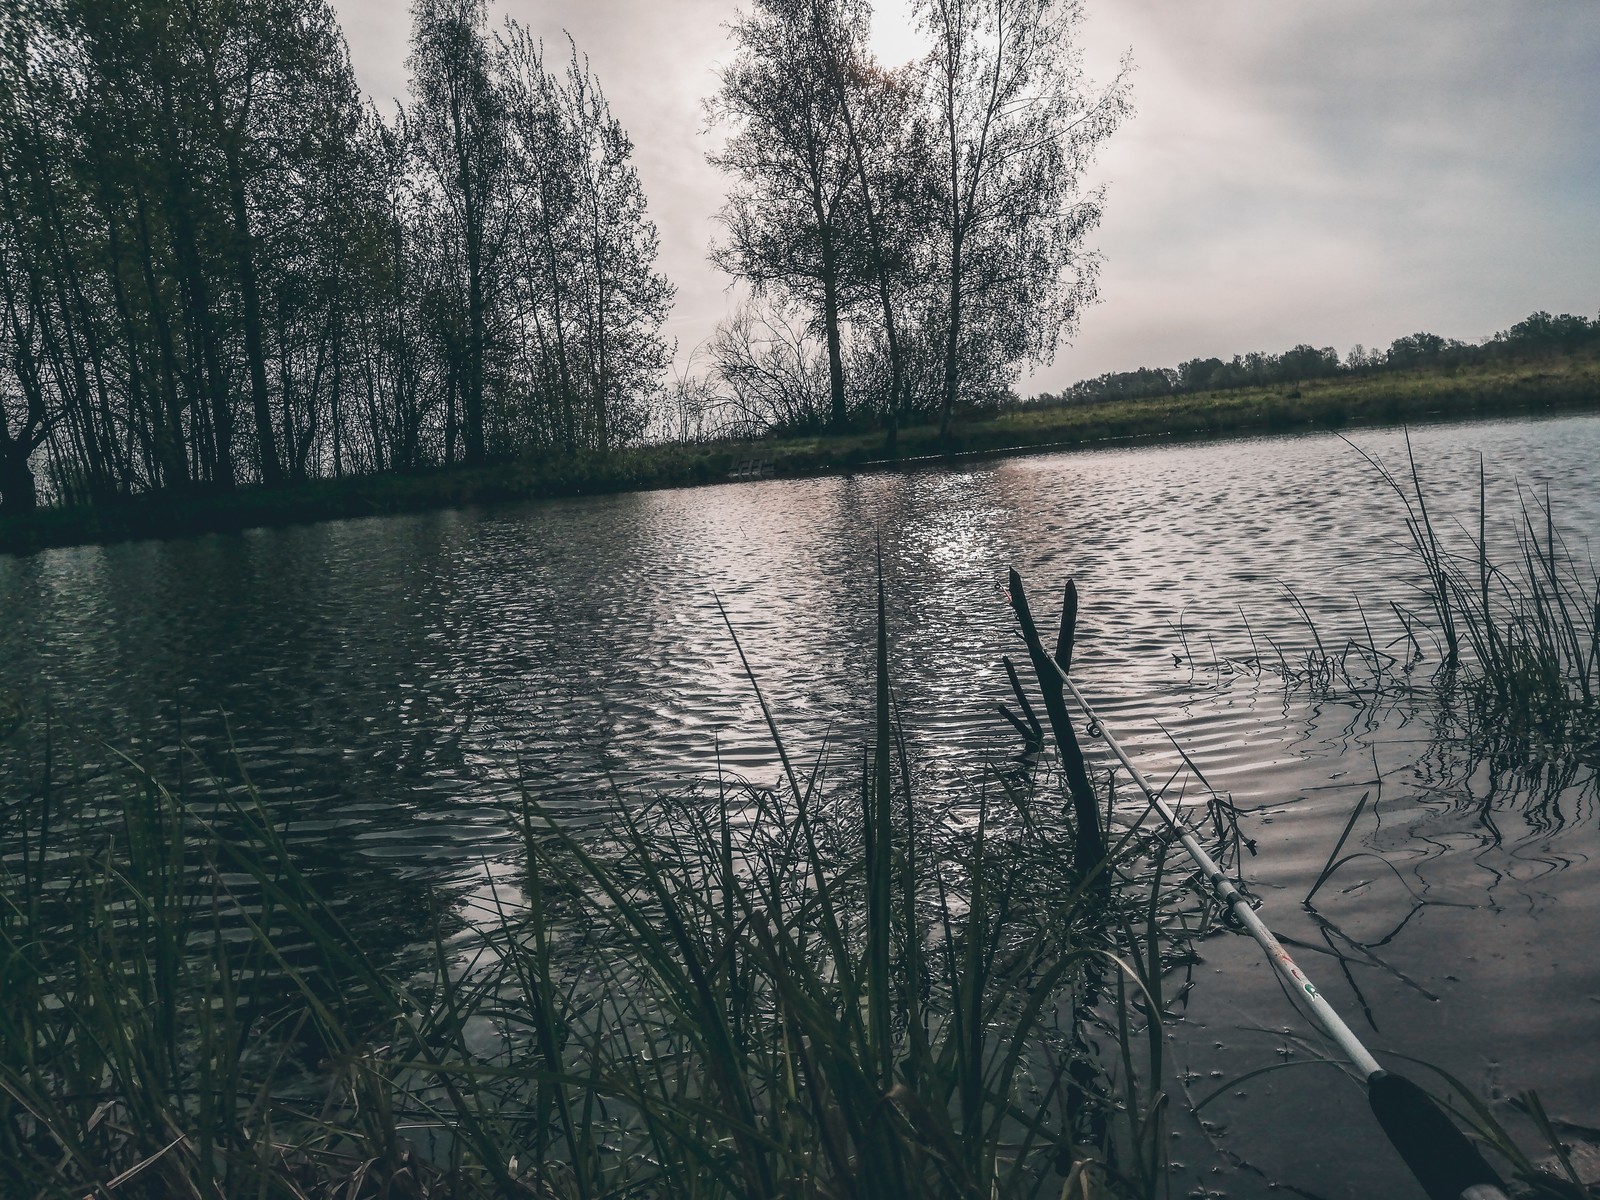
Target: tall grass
(1507,611)
(1519,629)
(830,988)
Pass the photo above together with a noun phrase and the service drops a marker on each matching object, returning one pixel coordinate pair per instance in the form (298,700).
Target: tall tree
(793,219)
(627,300)
(1011,129)
(457,126)
(868,109)
(545,230)
(589,299)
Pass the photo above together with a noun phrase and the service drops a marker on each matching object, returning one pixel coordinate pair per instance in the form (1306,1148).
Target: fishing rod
(1445,1163)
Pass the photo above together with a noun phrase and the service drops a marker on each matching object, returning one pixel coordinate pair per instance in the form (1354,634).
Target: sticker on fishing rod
(1293,971)
(1296,974)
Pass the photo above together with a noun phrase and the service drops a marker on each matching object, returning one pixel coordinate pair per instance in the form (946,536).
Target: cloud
(1343,172)
(1328,171)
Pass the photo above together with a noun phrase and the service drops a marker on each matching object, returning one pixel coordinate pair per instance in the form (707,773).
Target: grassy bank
(1571,382)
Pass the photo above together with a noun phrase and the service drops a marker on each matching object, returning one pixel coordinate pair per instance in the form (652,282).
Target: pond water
(395,683)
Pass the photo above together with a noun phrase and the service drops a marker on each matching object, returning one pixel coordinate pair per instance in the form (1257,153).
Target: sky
(1325,171)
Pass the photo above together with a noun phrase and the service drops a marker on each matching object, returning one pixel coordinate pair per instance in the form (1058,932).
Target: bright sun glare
(894,39)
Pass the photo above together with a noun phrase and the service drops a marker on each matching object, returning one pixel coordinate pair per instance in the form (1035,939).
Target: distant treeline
(1539,334)
(218,266)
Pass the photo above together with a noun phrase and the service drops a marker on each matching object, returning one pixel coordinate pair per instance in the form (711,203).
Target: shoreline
(1534,387)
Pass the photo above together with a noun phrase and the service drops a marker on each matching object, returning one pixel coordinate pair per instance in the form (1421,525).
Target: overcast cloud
(1324,171)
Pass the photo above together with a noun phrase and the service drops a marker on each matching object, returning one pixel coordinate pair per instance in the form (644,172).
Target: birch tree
(793,220)
(1011,128)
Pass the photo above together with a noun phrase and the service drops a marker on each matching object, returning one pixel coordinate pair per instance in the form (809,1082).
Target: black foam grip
(1439,1154)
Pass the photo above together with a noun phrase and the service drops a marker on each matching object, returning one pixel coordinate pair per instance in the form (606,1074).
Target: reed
(834,987)
(1518,629)
(1507,611)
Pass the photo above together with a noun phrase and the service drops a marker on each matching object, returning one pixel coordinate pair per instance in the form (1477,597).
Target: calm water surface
(392,683)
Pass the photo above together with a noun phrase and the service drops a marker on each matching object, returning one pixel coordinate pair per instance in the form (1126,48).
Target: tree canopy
(218,266)
(931,219)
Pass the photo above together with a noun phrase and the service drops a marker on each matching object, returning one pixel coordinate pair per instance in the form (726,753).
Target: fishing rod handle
(1443,1160)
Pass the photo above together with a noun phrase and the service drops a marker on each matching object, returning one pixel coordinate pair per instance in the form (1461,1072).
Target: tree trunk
(336,389)
(837,415)
(563,368)
(254,349)
(472,219)
(198,316)
(19,492)
(451,386)
(602,380)
(169,431)
(952,349)
(472,393)
(184,208)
